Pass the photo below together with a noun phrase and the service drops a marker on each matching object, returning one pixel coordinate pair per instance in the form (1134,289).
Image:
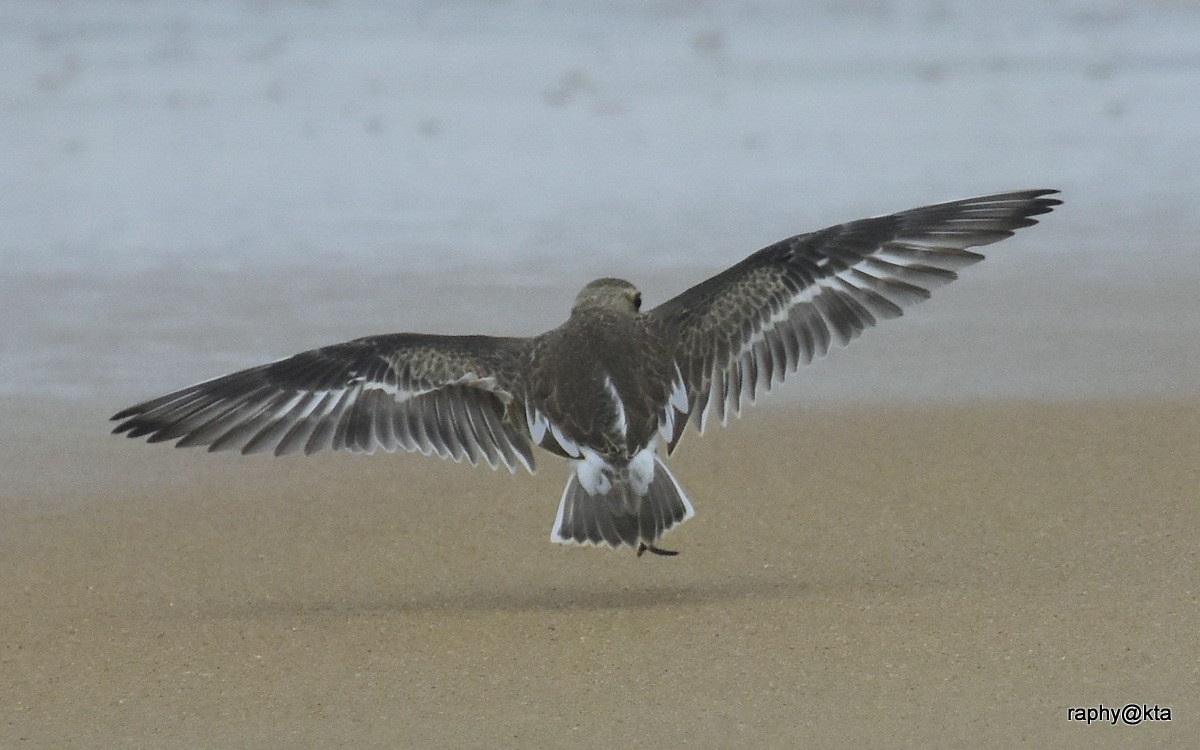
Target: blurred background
(190,188)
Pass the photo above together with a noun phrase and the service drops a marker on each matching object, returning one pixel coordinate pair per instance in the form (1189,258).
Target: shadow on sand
(526,596)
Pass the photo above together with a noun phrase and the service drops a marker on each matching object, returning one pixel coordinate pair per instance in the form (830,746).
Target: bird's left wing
(454,396)
(744,329)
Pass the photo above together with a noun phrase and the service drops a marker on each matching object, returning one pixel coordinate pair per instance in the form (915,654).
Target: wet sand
(890,576)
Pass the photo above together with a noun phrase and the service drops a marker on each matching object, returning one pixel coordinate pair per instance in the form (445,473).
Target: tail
(631,505)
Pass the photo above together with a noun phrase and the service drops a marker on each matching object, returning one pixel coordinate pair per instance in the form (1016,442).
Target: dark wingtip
(126,426)
(1043,203)
(136,426)
(123,414)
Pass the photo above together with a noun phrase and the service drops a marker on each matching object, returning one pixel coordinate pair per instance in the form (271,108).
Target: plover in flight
(606,386)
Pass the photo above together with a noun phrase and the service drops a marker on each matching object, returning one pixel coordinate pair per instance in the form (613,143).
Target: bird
(611,384)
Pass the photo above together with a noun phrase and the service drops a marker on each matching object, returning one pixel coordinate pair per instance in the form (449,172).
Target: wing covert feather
(746,328)
(453,396)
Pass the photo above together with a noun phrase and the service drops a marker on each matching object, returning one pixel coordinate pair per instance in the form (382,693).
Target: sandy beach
(891,576)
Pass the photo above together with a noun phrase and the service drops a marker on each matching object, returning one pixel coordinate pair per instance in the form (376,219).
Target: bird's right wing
(744,329)
(454,396)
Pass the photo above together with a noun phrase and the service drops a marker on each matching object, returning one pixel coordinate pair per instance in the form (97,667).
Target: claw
(642,547)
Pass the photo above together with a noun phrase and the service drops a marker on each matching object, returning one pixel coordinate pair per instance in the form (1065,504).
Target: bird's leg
(642,547)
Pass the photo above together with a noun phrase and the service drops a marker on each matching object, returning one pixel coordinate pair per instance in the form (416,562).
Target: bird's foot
(643,547)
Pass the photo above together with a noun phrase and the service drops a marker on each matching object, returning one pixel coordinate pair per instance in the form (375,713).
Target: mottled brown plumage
(606,336)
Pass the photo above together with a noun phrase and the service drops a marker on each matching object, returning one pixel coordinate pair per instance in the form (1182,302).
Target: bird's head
(609,294)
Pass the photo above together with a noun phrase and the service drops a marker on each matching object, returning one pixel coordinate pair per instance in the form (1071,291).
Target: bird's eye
(637,301)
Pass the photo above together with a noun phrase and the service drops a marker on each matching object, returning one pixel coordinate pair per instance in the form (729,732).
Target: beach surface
(874,576)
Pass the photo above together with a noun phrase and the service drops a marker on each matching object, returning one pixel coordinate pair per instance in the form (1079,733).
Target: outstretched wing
(744,329)
(455,396)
